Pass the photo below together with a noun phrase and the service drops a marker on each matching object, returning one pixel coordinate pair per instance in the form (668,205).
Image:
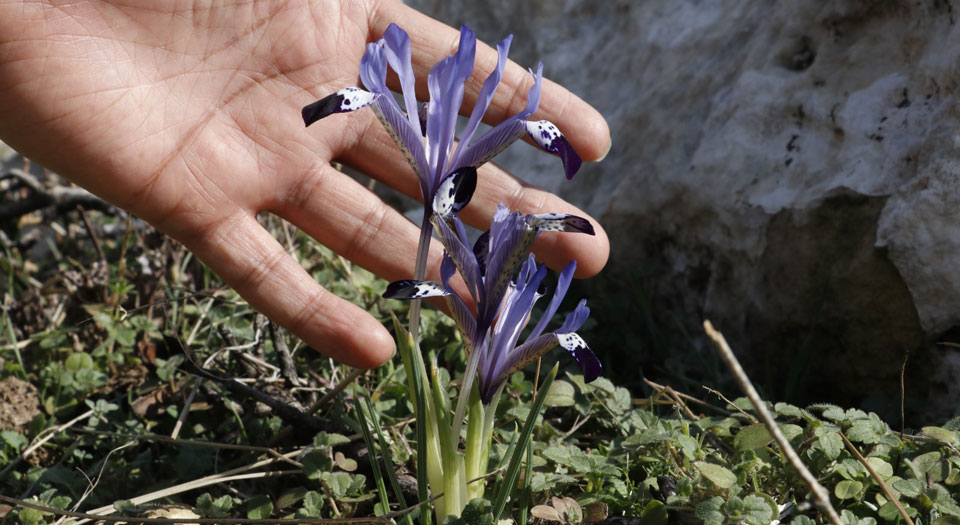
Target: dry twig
(876,477)
(820,494)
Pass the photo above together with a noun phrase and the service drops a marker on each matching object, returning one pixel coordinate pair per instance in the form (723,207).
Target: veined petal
(446,84)
(397,50)
(461,256)
(514,361)
(405,137)
(589,364)
(491,143)
(347,99)
(409,289)
(373,73)
(561,222)
(465,322)
(510,242)
(483,100)
(455,191)
(563,283)
(546,135)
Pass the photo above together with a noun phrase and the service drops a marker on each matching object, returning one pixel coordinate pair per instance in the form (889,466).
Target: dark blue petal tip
(348,99)
(409,289)
(548,137)
(589,364)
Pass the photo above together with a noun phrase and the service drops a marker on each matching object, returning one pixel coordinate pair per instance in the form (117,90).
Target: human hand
(189,117)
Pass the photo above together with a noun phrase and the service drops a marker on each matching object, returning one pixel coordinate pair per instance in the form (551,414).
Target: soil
(19,403)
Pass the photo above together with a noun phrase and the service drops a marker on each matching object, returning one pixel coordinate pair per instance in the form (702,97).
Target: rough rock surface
(789,170)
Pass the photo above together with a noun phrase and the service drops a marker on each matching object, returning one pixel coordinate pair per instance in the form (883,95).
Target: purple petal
(563,283)
(464,319)
(409,289)
(575,319)
(546,135)
(585,357)
(461,256)
(373,73)
(373,70)
(447,269)
(445,83)
(455,191)
(510,242)
(483,100)
(397,50)
(505,133)
(516,360)
(407,139)
(347,99)
(560,222)
(491,143)
(516,309)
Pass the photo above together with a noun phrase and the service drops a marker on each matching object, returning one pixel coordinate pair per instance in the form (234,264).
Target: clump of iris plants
(501,278)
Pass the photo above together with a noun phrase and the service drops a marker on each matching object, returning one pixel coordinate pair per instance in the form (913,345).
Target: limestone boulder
(789,170)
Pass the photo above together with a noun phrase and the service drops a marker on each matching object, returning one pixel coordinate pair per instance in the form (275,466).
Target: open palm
(189,117)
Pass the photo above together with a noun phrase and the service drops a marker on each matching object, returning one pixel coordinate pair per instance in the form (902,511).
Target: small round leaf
(847,489)
(720,476)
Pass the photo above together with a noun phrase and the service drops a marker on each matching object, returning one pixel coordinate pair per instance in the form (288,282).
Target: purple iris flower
(504,302)
(426,133)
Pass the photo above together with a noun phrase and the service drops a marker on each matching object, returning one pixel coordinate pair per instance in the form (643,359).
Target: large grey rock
(789,170)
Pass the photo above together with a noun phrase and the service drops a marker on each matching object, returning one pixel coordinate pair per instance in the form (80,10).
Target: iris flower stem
(465,391)
(420,270)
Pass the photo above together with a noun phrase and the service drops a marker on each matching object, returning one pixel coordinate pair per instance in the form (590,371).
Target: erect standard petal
(397,50)
(446,84)
(561,222)
(503,134)
(483,101)
(589,364)
(347,99)
(455,191)
(548,137)
(563,283)
(511,239)
(576,318)
(515,312)
(409,289)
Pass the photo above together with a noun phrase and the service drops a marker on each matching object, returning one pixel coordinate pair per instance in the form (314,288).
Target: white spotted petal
(347,99)
(409,289)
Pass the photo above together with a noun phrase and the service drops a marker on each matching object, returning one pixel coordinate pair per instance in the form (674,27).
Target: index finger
(432,40)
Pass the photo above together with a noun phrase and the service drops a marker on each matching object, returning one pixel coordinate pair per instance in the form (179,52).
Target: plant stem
(465,392)
(419,271)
